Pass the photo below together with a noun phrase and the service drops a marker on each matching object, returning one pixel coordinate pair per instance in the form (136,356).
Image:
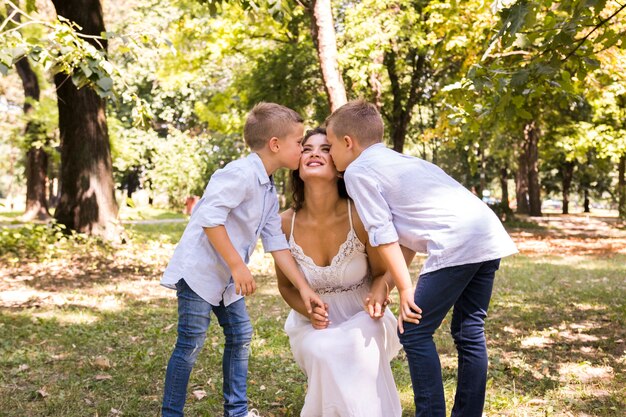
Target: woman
(343,350)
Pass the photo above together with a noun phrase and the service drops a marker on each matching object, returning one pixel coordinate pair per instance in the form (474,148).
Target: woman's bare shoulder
(285,218)
(359,228)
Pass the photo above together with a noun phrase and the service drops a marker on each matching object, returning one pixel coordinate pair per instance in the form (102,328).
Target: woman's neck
(321,200)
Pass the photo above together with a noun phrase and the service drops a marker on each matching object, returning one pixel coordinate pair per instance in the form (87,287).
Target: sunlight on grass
(67,317)
(148,213)
(93,332)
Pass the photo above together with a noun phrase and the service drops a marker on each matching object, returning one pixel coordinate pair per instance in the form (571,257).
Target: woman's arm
(382,281)
(291,295)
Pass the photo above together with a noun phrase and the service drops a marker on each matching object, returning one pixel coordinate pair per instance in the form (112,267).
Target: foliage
(38,242)
(188,71)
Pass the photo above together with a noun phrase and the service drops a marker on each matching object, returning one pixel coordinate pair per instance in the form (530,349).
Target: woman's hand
(319,317)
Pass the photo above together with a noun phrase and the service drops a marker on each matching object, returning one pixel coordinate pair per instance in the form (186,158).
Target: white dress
(347,364)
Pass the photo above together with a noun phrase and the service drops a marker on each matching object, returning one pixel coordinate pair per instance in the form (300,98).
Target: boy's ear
(348,142)
(273,144)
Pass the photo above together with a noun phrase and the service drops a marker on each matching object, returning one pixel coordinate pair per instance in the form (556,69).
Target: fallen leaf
(103,377)
(169,327)
(23,367)
(102,363)
(58,357)
(42,392)
(199,394)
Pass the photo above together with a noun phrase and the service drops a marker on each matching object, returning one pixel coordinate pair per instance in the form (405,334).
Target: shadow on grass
(75,360)
(556,333)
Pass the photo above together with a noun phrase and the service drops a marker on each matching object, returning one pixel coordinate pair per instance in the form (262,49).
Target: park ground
(85,329)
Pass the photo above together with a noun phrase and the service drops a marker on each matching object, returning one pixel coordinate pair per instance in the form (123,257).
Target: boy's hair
(268,120)
(358,119)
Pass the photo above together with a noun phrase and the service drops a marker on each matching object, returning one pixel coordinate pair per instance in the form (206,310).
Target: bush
(36,241)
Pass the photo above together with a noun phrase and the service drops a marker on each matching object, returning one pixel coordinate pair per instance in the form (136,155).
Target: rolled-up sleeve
(272,235)
(371,206)
(226,190)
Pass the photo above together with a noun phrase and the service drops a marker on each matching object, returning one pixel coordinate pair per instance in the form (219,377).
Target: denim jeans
(466,289)
(193,322)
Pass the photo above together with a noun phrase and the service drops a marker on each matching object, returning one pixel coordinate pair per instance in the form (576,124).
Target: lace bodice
(347,271)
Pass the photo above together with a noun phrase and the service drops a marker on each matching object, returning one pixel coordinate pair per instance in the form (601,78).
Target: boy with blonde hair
(209,266)
(407,202)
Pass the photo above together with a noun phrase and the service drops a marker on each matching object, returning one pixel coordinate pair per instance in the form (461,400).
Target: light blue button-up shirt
(405,199)
(242,198)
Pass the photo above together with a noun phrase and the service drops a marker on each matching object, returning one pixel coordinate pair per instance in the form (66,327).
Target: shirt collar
(259,168)
(369,149)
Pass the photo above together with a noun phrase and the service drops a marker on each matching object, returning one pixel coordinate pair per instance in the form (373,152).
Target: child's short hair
(358,119)
(268,120)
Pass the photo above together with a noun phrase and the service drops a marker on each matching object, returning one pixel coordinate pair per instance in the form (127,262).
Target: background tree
(87,202)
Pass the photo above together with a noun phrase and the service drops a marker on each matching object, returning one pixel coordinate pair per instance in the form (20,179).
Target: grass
(126,214)
(10,217)
(91,335)
(148,213)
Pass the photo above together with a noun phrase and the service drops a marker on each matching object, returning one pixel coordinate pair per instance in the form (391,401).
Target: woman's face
(316,161)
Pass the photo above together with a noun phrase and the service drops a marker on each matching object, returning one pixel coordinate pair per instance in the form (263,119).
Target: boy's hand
(409,311)
(244,282)
(377,299)
(310,299)
(319,317)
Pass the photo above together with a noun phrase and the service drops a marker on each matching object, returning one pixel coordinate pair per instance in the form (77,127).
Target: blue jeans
(466,289)
(194,315)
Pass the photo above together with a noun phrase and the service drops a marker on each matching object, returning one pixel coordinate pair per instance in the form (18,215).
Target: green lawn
(90,334)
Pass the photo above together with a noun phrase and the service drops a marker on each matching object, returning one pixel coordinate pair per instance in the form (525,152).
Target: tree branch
(598,26)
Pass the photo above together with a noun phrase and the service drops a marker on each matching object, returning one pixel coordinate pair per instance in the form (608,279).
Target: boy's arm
(244,282)
(382,285)
(319,315)
(396,266)
(285,262)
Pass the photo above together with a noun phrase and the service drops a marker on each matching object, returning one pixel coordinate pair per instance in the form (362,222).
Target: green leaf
(86,70)
(105,83)
(524,114)
(31,6)
(518,101)
(519,78)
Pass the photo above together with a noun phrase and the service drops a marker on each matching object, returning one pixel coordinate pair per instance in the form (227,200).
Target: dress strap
(293,222)
(349,215)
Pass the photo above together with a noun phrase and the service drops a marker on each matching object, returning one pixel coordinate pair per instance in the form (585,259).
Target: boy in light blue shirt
(409,205)
(209,266)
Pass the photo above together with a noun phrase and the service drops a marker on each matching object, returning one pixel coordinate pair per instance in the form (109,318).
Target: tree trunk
(586,202)
(403,101)
(36,156)
(621,184)
(87,202)
(531,136)
(323,34)
(521,182)
(481,186)
(567,173)
(504,203)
